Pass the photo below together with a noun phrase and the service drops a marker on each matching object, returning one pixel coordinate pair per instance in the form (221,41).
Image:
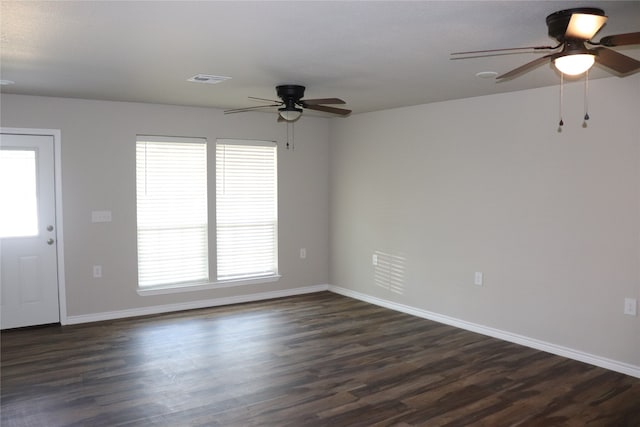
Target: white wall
(482,184)
(488,184)
(98,173)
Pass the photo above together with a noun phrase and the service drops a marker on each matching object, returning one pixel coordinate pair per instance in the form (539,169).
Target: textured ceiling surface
(374,54)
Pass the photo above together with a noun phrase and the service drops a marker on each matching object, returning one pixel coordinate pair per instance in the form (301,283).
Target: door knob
(50,241)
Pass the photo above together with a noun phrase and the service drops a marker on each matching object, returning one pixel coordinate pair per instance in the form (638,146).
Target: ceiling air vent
(207,78)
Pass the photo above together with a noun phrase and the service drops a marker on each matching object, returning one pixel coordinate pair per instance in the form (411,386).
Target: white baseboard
(591,359)
(167,308)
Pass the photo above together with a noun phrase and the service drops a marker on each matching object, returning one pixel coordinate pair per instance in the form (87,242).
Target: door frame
(57,173)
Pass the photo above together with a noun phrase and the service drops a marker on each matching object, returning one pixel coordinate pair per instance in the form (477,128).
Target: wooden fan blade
(486,55)
(242,110)
(506,50)
(326,109)
(330,101)
(584,26)
(264,99)
(620,39)
(618,62)
(527,67)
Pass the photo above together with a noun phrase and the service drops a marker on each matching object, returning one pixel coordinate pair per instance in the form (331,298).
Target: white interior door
(28,267)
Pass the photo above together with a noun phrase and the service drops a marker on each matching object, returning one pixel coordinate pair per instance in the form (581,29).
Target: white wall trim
(167,308)
(591,359)
(174,289)
(57,174)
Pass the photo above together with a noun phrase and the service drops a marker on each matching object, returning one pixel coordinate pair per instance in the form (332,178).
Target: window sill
(191,287)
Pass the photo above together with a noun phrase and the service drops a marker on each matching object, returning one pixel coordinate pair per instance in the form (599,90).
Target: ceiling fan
(291,104)
(574,30)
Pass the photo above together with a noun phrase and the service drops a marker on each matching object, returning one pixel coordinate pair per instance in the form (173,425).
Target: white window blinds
(171,178)
(246,209)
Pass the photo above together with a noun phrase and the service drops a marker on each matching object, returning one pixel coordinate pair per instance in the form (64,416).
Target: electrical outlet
(374,259)
(630,306)
(477,278)
(97,271)
(303,253)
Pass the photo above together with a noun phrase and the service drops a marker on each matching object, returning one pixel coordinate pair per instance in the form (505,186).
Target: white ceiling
(374,54)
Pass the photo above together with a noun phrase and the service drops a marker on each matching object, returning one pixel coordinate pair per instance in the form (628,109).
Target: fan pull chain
(586,99)
(561,123)
(288,124)
(290,130)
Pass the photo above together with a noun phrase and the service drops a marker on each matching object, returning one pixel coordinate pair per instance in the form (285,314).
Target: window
(246,209)
(171,188)
(18,192)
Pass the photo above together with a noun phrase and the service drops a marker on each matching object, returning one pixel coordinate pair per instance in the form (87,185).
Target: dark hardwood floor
(312,360)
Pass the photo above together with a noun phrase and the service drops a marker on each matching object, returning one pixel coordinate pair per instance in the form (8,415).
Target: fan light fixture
(574,65)
(290,114)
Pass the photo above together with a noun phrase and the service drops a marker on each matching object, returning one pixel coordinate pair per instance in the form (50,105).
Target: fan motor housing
(559,21)
(290,92)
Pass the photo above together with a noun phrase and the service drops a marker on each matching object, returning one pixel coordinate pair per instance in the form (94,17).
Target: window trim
(190,287)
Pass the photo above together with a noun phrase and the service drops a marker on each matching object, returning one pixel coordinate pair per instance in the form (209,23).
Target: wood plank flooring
(312,360)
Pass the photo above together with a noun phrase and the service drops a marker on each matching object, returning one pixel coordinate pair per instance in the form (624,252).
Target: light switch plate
(477,278)
(630,306)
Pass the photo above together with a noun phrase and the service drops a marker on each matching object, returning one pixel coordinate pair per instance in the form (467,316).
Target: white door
(28,267)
